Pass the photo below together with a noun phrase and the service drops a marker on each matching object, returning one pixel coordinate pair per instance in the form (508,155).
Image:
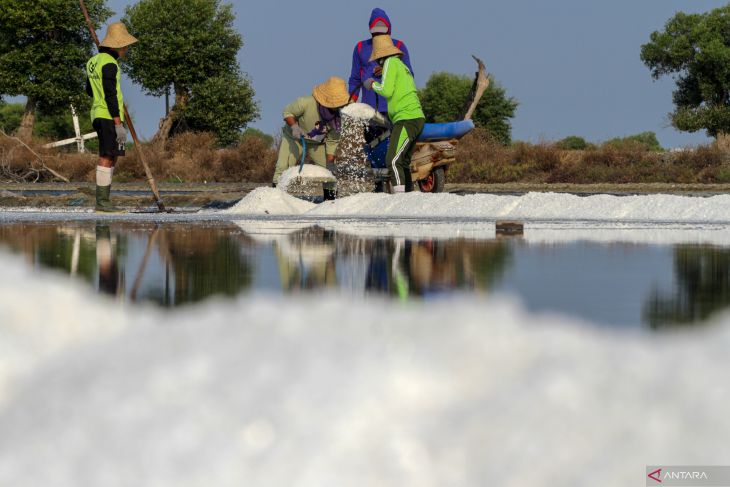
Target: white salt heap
(532,206)
(270,201)
(360,111)
(323,391)
(353,168)
(310,172)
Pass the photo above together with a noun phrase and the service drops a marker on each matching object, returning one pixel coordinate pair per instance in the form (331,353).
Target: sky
(573,65)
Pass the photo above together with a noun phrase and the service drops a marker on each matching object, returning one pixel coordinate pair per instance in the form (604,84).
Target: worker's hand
(368,84)
(316,137)
(296,131)
(378,70)
(121,135)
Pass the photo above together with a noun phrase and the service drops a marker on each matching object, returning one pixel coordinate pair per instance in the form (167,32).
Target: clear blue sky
(572,64)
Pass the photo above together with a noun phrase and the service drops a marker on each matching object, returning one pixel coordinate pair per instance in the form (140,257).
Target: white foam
(319,391)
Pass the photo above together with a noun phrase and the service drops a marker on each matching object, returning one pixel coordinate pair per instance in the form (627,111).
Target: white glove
(296,131)
(121,135)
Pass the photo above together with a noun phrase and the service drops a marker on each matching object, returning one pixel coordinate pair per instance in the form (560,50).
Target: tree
(54,126)
(445,96)
(11,114)
(695,50)
(191,46)
(230,96)
(572,142)
(254,132)
(44,46)
(647,140)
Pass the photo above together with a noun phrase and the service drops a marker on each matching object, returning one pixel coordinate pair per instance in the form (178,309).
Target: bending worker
(363,68)
(107,109)
(404,110)
(316,120)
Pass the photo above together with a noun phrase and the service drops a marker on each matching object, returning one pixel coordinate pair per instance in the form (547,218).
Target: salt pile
(320,391)
(270,201)
(353,168)
(359,111)
(293,179)
(532,206)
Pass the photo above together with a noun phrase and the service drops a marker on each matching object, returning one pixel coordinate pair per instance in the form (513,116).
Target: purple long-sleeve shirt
(362,68)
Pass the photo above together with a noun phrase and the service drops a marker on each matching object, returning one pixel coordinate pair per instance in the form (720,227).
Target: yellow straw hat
(383,47)
(117,36)
(332,93)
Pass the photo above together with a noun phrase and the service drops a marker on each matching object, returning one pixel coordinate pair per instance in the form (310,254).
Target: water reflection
(702,287)
(315,258)
(175,264)
(169,265)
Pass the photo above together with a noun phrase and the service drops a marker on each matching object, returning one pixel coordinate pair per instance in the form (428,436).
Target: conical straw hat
(383,47)
(117,36)
(332,93)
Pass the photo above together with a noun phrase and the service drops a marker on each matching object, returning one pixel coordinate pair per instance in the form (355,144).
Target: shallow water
(638,277)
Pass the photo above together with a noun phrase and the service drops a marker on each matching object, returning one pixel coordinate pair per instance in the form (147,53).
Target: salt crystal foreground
(531,206)
(324,391)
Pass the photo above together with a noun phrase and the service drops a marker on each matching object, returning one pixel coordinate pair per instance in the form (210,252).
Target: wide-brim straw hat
(117,36)
(383,47)
(332,93)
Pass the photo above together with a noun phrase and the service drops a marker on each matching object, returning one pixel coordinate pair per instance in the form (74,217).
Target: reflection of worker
(107,109)
(316,119)
(106,261)
(404,110)
(306,261)
(363,68)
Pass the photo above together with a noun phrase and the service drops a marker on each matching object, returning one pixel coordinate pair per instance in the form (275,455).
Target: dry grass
(194,157)
(481,159)
(20,163)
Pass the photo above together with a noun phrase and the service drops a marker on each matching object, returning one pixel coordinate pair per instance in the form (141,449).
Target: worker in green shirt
(404,110)
(314,119)
(107,109)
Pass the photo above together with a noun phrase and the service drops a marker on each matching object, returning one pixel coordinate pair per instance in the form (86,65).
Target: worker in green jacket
(316,120)
(404,110)
(107,109)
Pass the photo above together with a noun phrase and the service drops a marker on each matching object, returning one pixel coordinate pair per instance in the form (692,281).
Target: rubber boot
(103,202)
(378,187)
(329,194)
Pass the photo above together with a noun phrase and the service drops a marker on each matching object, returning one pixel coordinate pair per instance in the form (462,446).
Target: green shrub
(646,140)
(572,142)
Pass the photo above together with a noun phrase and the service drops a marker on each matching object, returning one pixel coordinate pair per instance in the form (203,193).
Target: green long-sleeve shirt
(398,87)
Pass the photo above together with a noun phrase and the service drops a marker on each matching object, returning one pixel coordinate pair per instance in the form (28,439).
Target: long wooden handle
(130,125)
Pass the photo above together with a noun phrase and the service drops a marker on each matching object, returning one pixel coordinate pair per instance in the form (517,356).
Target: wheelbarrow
(436,147)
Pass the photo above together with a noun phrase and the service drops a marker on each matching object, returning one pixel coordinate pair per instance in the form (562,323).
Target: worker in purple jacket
(363,68)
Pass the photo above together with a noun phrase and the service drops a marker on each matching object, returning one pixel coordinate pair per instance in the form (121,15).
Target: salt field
(286,343)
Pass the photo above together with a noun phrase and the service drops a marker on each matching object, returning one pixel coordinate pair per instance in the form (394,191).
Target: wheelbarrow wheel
(434,183)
